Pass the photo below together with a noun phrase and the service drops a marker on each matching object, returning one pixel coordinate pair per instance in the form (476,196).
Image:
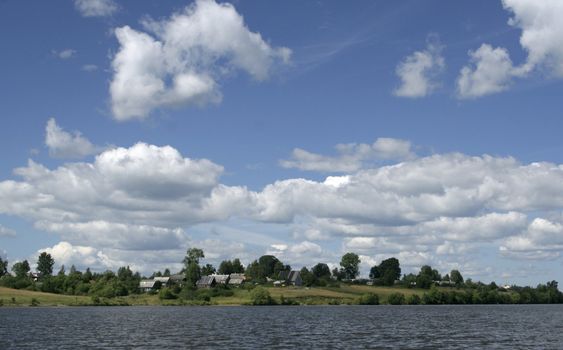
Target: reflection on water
(337,327)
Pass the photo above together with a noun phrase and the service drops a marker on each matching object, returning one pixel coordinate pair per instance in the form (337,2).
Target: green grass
(346,294)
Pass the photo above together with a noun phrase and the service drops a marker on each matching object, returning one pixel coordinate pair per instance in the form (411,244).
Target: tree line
(267,268)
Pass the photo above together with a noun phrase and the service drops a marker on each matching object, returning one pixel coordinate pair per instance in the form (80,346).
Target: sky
(423,130)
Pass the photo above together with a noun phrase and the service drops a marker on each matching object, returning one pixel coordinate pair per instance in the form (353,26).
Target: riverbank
(345,294)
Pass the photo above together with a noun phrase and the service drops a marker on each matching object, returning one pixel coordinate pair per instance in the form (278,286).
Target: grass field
(346,294)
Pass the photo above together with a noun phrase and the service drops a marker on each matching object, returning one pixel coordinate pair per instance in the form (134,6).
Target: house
(221,279)
(292,278)
(178,279)
(206,282)
(146,285)
(236,279)
(165,281)
(35,276)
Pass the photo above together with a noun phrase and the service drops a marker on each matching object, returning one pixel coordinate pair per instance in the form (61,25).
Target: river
(281,327)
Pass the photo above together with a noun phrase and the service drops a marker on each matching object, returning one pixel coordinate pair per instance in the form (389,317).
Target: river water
(280,327)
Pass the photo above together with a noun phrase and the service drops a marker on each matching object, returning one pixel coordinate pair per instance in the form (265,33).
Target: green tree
(350,263)
(45,264)
(368,299)
(166,272)
(456,278)
(225,267)
(207,270)
(3,267)
(21,269)
(389,270)
(193,255)
(192,268)
(307,277)
(237,266)
(321,271)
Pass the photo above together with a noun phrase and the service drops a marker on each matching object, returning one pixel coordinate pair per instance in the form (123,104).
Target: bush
(34,302)
(261,296)
(166,294)
(368,299)
(1,302)
(284,301)
(396,299)
(413,299)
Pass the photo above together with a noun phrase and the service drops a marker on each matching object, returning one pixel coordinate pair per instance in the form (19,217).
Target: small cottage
(236,279)
(146,285)
(206,282)
(221,279)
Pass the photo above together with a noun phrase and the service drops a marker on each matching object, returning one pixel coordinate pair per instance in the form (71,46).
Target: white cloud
(492,72)
(64,54)
(89,67)
(193,50)
(62,144)
(145,199)
(418,71)
(542,34)
(543,239)
(6,232)
(351,157)
(96,8)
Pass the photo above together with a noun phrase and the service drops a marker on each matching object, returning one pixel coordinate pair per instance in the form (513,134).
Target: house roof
(177,277)
(236,278)
(162,280)
(147,284)
(293,276)
(206,281)
(223,279)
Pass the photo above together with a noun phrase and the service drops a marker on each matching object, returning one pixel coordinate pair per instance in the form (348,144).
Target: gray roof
(236,278)
(162,280)
(206,281)
(147,284)
(177,277)
(222,279)
(293,276)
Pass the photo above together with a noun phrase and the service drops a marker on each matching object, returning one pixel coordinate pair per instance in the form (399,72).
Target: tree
(21,269)
(166,272)
(45,264)
(192,270)
(307,277)
(389,270)
(260,296)
(321,271)
(266,266)
(237,266)
(350,265)
(3,267)
(456,277)
(207,270)
(225,267)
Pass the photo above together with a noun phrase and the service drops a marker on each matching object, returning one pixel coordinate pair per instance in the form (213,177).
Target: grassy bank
(346,294)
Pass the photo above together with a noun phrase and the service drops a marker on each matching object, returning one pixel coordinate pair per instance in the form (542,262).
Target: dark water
(336,327)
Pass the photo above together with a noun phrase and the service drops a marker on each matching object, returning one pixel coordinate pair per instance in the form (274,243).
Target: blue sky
(423,130)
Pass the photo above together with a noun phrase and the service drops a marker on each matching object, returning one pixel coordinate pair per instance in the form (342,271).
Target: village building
(290,278)
(221,279)
(236,279)
(165,281)
(206,282)
(147,285)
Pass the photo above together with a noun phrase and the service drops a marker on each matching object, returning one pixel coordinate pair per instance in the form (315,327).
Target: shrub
(166,294)
(261,296)
(34,302)
(1,302)
(413,299)
(368,299)
(396,299)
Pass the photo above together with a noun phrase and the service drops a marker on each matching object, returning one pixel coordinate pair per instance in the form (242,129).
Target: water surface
(335,327)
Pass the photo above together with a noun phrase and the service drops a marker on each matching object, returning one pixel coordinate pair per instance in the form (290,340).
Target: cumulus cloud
(62,144)
(492,70)
(64,54)
(542,32)
(96,8)
(6,232)
(351,157)
(543,239)
(147,198)
(180,60)
(418,72)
